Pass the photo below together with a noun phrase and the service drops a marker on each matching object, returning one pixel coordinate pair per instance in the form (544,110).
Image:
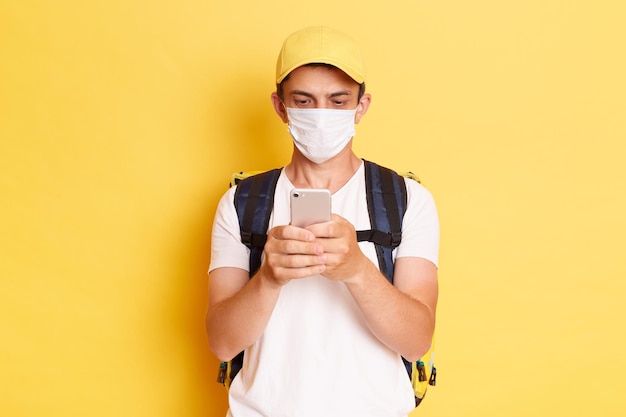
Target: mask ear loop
(284,110)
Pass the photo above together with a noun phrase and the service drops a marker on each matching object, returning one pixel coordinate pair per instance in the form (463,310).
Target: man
(323,330)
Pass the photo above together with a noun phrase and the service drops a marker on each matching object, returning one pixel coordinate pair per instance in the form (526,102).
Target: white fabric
(320,134)
(317,356)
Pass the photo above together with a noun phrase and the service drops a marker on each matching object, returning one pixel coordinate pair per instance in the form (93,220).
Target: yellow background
(121,122)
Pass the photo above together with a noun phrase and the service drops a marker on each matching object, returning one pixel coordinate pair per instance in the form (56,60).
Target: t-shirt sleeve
(226,247)
(420,227)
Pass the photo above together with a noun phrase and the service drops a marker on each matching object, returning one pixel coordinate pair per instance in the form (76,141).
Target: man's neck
(332,174)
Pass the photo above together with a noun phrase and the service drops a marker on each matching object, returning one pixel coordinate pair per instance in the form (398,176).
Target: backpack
(386,203)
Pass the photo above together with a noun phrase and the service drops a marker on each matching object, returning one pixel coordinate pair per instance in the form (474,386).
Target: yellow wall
(121,121)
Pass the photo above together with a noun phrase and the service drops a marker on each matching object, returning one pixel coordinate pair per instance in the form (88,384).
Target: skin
(402,315)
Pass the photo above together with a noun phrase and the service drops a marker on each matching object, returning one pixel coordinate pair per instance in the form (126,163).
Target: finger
(296,247)
(301,261)
(289,232)
(297,273)
(323,230)
(286,267)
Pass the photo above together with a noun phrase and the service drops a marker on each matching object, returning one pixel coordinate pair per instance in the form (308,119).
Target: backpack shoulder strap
(386,204)
(254,201)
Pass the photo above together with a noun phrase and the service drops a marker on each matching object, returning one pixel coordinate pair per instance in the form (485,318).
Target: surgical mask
(320,134)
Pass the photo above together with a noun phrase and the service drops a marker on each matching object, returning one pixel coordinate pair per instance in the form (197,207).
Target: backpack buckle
(433,377)
(396,238)
(221,375)
(246,238)
(421,369)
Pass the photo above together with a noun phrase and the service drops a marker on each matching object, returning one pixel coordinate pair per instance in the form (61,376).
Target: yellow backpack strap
(238,176)
(424,374)
(410,175)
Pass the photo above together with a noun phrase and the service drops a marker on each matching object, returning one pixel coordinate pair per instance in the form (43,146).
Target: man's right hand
(290,253)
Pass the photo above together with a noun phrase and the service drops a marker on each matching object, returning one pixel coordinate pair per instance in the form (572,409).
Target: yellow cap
(320,45)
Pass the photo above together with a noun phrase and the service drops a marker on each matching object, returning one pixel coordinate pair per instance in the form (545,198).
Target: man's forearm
(236,322)
(398,320)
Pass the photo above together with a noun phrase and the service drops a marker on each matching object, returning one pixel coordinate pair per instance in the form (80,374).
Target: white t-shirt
(317,357)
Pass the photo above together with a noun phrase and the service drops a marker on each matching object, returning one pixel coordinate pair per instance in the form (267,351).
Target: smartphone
(309,206)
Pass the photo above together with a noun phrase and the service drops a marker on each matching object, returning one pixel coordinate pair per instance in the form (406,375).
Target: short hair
(281,93)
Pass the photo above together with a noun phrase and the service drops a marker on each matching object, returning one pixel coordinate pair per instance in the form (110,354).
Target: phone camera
(296,195)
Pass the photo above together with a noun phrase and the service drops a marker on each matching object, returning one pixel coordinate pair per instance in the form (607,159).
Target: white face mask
(321,134)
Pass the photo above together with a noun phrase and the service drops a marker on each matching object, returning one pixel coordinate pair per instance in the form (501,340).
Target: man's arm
(402,316)
(239,307)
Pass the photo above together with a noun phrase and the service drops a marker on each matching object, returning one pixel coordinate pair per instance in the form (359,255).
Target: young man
(323,330)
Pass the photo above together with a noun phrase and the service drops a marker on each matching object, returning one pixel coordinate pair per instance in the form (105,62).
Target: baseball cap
(320,45)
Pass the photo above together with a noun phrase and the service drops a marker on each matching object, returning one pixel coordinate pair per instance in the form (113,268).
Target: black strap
(386,204)
(254,201)
(379,238)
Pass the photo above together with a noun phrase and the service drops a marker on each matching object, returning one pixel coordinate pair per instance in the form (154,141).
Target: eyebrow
(307,94)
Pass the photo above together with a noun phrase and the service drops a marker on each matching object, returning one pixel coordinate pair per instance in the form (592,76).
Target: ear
(361,109)
(279,108)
